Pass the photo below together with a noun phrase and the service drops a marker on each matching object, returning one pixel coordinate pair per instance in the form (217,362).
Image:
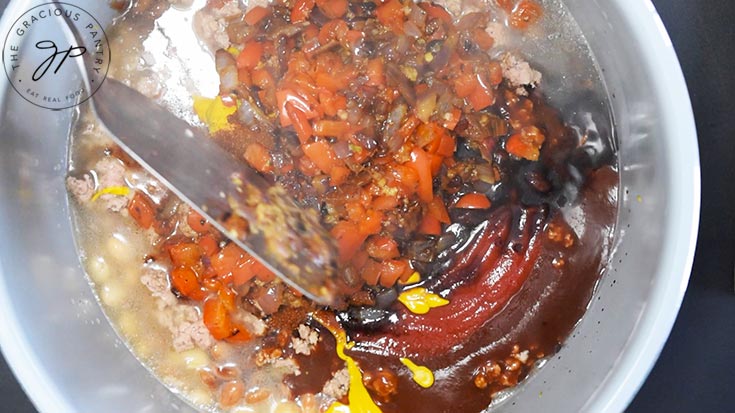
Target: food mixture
(471,223)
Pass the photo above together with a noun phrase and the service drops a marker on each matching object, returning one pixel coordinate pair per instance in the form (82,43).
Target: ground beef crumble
(519,74)
(82,188)
(338,385)
(306,340)
(182,320)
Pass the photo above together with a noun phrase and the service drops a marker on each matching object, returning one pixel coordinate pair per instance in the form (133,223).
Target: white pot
(69,360)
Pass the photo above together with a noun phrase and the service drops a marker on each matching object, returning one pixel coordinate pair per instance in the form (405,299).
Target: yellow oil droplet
(639,199)
(421,375)
(233,51)
(358,396)
(214,113)
(413,279)
(420,301)
(338,407)
(111,190)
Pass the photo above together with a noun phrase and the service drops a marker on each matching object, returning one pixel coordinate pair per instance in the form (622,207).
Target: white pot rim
(657,319)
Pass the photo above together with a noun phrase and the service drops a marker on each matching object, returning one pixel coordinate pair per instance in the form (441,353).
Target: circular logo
(43,62)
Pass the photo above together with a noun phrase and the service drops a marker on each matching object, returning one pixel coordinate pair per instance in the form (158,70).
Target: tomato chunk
(185,281)
(391,15)
(186,254)
(421,163)
(217,319)
(141,210)
(250,55)
(473,201)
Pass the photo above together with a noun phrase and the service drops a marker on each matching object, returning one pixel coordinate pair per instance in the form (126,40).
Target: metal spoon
(288,239)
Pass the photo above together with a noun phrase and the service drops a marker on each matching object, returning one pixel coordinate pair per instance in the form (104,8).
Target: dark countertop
(695,372)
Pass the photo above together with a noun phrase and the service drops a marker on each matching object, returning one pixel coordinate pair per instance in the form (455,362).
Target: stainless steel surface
(85,369)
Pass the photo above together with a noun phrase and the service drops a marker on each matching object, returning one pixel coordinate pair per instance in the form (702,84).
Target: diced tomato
(211,284)
(258,157)
(262,272)
(506,5)
(483,39)
(428,136)
(436,12)
(227,296)
(496,73)
(163,227)
(407,273)
(353,38)
(250,55)
(391,15)
(525,14)
(141,210)
(473,200)
(333,30)
(197,222)
(185,281)
(439,211)
(349,239)
(385,203)
(408,126)
(256,14)
(430,225)
(372,223)
(208,244)
(262,79)
(243,76)
(355,211)
(382,248)
(331,103)
(217,319)
(436,164)
(391,271)
(421,163)
(482,96)
(517,147)
(334,81)
(360,154)
(464,85)
(300,122)
(308,167)
(185,254)
(334,128)
(310,33)
(447,146)
(300,101)
(301,10)
(206,273)
(227,260)
(526,144)
(244,270)
(322,154)
(407,177)
(360,259)
(375,73)
(338,175)
(370,272)
(334,9)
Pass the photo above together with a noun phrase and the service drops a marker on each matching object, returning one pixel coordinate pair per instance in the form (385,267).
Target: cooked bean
(256,395)
(231,393)
(287,407)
